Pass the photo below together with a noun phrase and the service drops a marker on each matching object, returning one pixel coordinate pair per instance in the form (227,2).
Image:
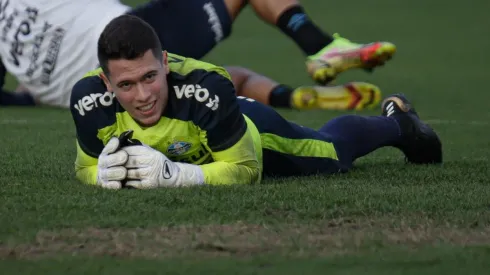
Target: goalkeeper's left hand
(148,168)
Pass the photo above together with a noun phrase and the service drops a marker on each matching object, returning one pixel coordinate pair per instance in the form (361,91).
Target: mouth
(147,109)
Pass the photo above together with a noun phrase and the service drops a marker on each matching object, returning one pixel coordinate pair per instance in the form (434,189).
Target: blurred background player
(350,96)
(48,45)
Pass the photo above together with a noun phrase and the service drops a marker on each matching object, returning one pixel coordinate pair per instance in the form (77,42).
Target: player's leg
(327,55)
(289,149)
(16,99)
(355,95)
(398,126)
(189,28)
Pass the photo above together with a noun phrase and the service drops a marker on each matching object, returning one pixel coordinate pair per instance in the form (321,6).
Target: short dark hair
(127,37)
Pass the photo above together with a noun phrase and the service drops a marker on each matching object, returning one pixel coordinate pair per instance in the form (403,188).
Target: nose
(143,94)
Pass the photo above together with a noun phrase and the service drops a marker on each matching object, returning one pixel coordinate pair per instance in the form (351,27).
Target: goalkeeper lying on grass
(189,128)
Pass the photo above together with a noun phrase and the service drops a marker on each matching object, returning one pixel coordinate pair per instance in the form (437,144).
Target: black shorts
(290,149)
(190,28)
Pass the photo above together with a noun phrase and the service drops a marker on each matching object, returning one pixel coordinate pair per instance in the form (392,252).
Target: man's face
(140,86)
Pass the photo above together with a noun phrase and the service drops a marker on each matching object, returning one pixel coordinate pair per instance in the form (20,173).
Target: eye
(125,86)
(151,76)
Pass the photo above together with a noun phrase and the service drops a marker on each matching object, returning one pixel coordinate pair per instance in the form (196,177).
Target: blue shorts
(290,149)
(190,28)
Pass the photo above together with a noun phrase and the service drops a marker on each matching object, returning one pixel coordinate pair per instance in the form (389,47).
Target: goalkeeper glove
(110,168)
(148,168)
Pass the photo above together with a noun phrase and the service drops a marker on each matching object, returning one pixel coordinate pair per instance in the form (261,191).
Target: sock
(356,136)
(280,96)
(16,99)
(295,23)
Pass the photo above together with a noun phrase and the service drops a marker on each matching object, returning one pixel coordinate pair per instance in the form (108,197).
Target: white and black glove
(110,169)
(148,168)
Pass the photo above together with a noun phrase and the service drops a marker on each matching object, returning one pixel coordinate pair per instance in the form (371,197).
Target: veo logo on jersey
(87,103)
(200,94)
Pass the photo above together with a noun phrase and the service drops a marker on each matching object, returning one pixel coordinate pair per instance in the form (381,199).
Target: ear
(106,81)
(165,62)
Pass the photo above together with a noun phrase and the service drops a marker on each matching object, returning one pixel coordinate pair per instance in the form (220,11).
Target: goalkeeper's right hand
(110,169)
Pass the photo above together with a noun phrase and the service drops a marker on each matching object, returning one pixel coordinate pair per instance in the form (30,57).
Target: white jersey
(48,45)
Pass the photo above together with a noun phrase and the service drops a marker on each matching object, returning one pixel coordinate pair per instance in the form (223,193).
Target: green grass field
(384,217)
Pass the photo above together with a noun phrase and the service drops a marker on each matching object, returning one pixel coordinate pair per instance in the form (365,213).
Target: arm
(90,148)
(85,167)
(235,165)
(232,141)
(87,144)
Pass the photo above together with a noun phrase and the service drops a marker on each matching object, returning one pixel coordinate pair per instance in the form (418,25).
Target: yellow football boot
(342,55)
(351,96)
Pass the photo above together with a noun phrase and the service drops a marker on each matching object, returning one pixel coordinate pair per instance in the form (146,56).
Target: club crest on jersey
(179,148)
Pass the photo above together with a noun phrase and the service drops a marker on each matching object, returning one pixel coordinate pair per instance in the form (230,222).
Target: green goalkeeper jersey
(201,124)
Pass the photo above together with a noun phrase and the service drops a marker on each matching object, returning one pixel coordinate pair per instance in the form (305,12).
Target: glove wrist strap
(189,174)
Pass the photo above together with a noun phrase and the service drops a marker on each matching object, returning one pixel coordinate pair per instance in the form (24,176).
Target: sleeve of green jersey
(237,164)
(85,167)
(226,135)
(87,118)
